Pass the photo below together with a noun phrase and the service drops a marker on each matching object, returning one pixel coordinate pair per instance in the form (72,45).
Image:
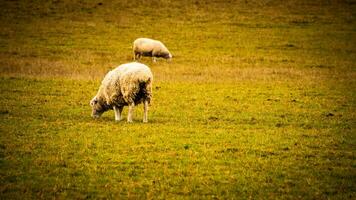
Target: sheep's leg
(136,56)
(154,59)
(145,112)
(130,112)
(118,111)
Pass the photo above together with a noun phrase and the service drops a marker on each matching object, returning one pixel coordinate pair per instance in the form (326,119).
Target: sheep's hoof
(145,121)
(129,121)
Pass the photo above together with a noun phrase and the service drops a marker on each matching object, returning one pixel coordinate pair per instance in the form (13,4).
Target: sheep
(151,48)
(127,85)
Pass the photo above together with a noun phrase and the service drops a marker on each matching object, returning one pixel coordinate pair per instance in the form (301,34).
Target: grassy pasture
(258,102)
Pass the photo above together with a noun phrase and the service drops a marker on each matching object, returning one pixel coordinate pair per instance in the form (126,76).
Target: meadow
(257,103)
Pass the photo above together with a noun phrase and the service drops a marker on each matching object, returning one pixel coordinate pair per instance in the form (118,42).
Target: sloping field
(258,101)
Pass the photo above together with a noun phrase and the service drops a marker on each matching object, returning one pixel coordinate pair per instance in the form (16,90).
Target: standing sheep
(127,85)
(151,48)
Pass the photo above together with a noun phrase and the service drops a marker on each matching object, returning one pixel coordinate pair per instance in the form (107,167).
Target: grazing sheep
(151,48)
(127,85)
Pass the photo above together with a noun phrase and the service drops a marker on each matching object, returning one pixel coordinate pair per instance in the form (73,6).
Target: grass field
(257,103)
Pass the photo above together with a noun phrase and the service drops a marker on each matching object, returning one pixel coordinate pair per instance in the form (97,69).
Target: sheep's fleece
(150,47)
(128,84)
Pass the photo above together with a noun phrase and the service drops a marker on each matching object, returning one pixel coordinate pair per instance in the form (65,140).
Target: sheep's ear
(93,102)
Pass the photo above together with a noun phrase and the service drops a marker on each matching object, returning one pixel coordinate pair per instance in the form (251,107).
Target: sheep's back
(123,83)
(148,45)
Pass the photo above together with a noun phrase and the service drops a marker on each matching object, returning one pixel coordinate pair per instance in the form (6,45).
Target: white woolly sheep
(151,48)
(127,85)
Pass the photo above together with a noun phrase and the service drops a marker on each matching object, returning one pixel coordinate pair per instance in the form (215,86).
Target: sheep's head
(168,56)
(98,107)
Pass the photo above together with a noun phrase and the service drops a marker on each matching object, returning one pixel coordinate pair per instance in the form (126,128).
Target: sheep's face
(168,56)
(98,108)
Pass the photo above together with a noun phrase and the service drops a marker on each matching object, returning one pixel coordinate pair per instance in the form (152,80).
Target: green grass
(258,102)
